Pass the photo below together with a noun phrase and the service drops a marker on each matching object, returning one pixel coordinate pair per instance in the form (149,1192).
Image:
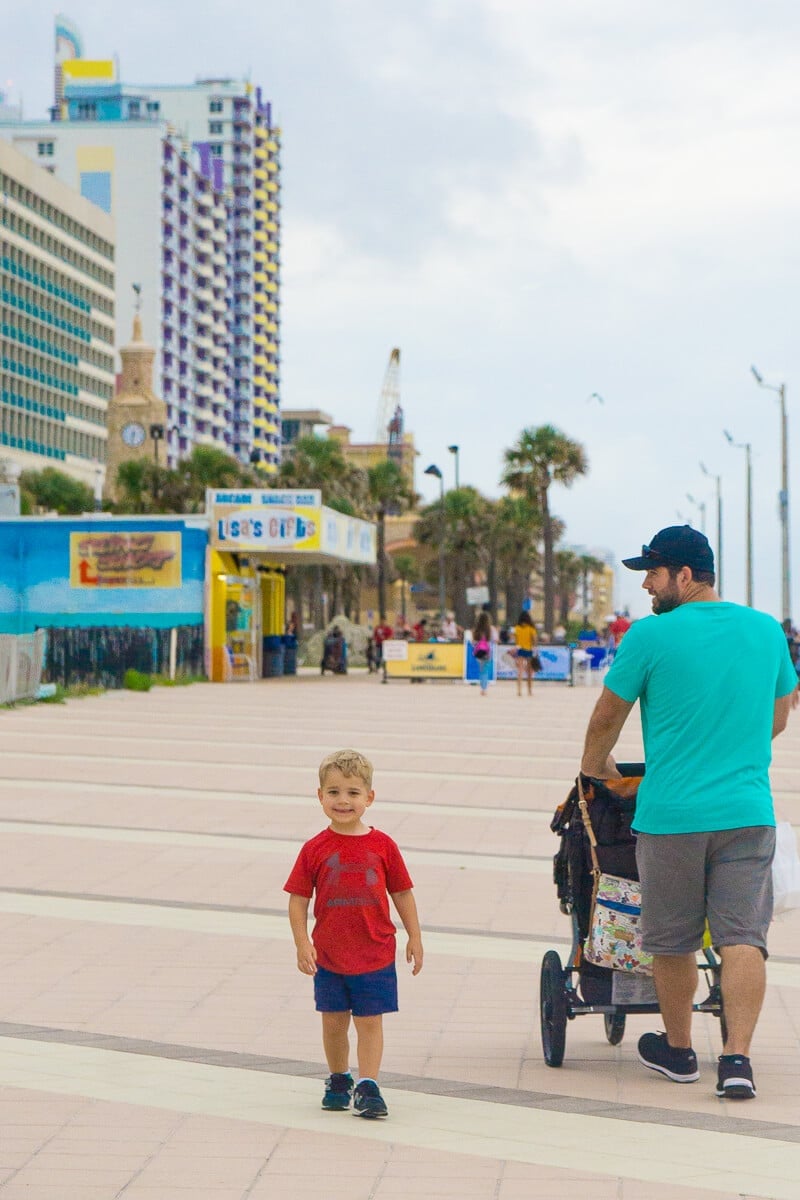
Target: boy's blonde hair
(349,762)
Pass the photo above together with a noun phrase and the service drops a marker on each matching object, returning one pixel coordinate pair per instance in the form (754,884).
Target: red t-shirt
(382,634)
(351,879)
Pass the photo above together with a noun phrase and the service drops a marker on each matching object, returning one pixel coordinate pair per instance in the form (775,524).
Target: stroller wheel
(615,1027)
(553,1008)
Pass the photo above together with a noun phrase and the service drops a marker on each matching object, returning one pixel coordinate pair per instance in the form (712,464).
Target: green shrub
(178,681)
(136,681)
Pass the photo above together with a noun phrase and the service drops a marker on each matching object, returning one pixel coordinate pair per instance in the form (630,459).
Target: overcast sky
(536,202)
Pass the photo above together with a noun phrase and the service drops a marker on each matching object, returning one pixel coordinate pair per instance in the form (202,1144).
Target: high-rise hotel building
(191,176)
(232,124)
(56,323)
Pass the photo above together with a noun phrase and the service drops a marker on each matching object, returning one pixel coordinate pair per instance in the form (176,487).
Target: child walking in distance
(351,869)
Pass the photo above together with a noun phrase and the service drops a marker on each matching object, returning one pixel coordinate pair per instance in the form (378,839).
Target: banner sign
(281,521)
(277,527)
(348,538)
(506,661)
(556,663)
(478,595)
(395,650)
(472,668)
(125,560)
(263,498)
(426,660)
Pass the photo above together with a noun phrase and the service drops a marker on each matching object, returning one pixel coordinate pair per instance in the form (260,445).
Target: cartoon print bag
(615,938)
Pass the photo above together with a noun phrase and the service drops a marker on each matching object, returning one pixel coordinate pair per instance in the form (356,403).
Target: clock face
(133,434)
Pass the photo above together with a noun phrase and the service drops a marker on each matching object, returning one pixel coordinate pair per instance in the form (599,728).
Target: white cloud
(535,201)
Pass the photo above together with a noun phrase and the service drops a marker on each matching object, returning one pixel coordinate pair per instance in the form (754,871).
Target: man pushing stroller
(715,683)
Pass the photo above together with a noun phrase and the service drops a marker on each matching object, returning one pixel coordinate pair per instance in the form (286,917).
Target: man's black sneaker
(338,1090)
(678,1065)
(735,1078)
(368,1101)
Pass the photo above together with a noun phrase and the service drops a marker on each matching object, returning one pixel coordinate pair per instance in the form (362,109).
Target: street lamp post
(718,480)
(748,515)
(454,451)
(783,496)
(434,470)
(701,505)
(157,434)
(98,489)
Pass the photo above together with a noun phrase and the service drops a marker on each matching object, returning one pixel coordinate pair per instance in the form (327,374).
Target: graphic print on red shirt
(351,879)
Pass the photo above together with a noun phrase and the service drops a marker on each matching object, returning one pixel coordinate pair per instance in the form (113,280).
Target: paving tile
(472,805)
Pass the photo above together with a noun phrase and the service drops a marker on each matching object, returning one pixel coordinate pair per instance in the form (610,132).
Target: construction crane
(389,401)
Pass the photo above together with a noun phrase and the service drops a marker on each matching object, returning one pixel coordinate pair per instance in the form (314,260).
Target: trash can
(289,654)
(272,656)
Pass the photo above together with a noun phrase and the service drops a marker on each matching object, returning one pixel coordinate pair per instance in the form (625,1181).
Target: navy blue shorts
(363,995)
(524,654)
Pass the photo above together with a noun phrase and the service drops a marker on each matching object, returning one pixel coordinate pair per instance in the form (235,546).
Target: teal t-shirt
(707,676)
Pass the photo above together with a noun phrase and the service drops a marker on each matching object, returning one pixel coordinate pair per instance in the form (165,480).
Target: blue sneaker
(679,1065)
(338,1090)
(368,1101)
(735,1077)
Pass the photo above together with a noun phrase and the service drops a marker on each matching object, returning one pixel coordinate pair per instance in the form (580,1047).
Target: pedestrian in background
(526,656)
(482,648)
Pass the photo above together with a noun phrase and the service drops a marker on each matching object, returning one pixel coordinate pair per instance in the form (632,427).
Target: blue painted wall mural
(42,583)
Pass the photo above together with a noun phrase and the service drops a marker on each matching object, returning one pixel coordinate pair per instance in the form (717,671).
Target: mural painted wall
(78,571)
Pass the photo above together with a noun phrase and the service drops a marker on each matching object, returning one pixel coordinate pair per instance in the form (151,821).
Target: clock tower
(137,418)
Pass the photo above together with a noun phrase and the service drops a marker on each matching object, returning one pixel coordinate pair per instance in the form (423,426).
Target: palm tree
(209,467)
(516,528)
(589,565)
(405,566)
(388,491)
(316,462)
(466,532)
(543,456)
(567,575)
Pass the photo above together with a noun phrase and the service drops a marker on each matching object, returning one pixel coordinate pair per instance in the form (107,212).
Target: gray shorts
(723,876)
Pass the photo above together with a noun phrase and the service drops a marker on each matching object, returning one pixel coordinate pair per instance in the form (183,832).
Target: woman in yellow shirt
(527,658)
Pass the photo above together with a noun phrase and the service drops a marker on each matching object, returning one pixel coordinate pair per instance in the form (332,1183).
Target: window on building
(46,149)
(215,126)
(215,105)
(153,106)
(216,149)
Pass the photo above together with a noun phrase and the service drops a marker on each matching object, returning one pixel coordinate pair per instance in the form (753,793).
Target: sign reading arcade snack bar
(290,526)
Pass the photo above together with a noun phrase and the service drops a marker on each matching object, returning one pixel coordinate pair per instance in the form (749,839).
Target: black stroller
(334,653)
(580,987)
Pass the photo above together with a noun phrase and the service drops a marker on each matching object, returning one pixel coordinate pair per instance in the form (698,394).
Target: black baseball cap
(675,546)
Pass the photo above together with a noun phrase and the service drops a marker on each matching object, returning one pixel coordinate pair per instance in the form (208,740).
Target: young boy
(351,869)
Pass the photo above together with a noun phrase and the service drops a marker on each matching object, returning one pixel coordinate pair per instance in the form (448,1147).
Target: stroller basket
(579,987)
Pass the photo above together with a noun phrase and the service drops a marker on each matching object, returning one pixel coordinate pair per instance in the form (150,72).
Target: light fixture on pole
(718,481)
(454,451)
(783,495)
(701,505)
(434,470)
(157,434)
(748,515)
